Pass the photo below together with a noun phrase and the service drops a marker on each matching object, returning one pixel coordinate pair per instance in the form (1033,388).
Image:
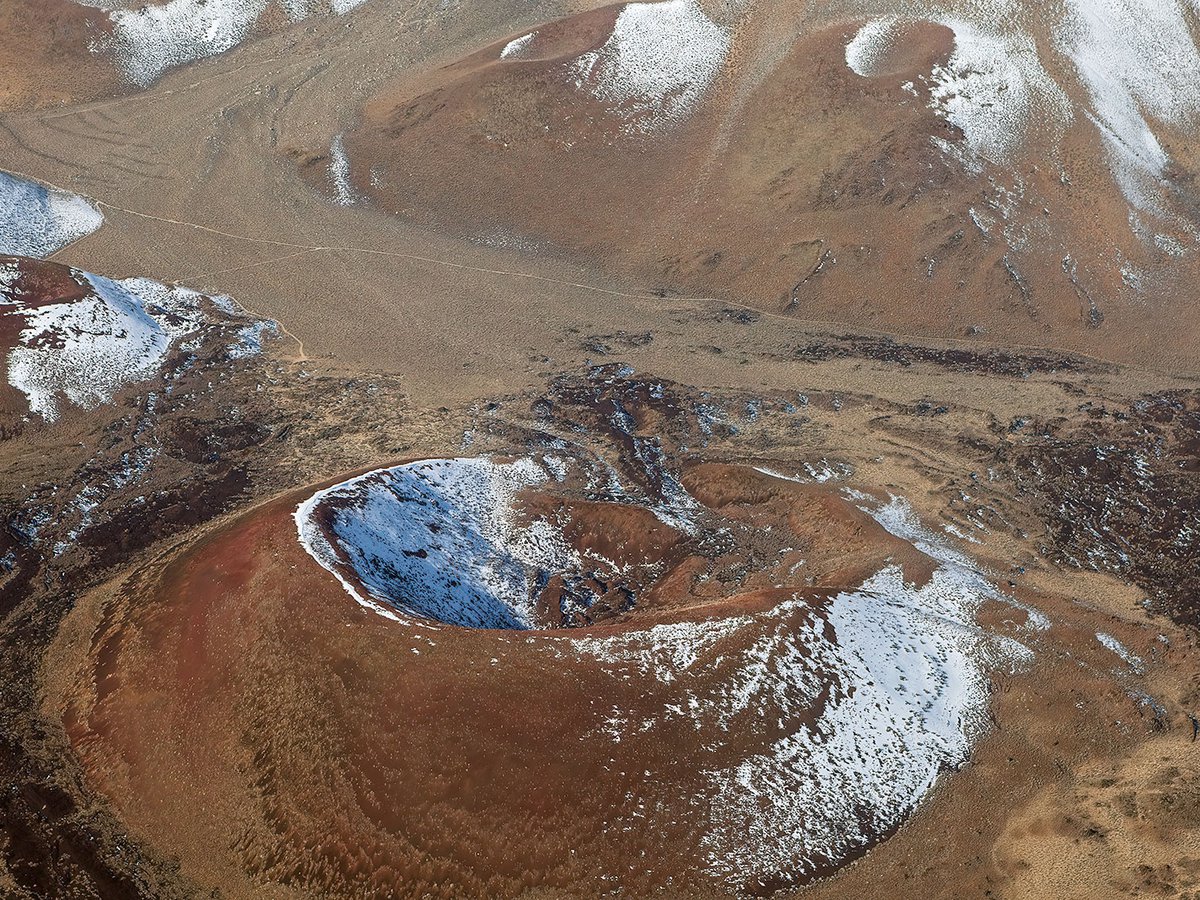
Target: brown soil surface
(47,61)
(285,706)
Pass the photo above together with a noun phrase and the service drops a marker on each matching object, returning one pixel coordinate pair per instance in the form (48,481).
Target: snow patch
(37,221)
(88,349)
(869,44)
(906,670)
(116,333)
(899,519)
(250,339)
(992,87)
(821,472)
(663,652)
(656,66)
(515,48)
(147,40)
(866,699)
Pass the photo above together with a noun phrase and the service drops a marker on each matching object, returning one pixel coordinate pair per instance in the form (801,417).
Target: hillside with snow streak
(148,40)
(75,338)
(1129,69)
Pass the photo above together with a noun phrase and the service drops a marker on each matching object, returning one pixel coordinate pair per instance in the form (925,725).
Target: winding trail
(302,249)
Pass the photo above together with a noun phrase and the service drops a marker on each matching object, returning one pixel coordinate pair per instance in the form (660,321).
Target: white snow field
(437,540)
(118,333)
(656,66)
(36,220)
(1139,62)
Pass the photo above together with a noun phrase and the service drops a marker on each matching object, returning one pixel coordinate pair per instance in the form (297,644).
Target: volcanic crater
(426,602)
(792,622)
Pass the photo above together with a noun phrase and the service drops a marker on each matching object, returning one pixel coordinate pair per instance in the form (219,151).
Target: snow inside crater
(438,540)
(37,221)
(656,66)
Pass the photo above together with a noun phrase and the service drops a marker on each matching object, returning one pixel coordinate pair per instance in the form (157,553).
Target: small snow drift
(339,173)
(74,336)
(437,539)
(1126,656)
(655,67)
(36,220)
(516,47)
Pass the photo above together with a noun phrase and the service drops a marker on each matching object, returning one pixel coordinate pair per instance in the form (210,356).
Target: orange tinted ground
(244,713)
(351,749)
(39,284)
(44,44)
